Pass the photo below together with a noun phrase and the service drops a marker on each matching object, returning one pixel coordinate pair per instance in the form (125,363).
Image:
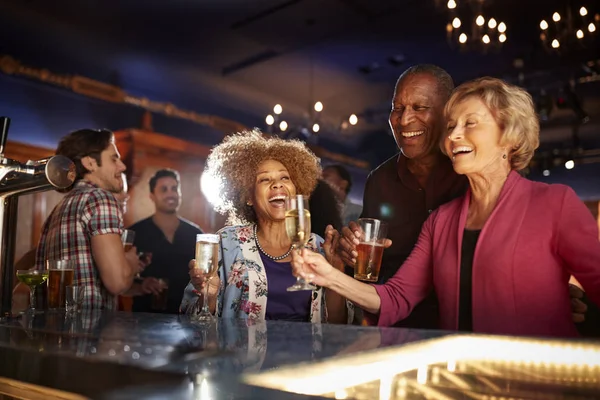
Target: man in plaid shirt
(87,224)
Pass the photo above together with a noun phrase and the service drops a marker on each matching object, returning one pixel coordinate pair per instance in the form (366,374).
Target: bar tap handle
(4,125)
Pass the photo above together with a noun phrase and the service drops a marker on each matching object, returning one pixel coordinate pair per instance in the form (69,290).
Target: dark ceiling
(238,58)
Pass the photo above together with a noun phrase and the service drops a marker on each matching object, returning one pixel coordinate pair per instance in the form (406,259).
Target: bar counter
(123,355)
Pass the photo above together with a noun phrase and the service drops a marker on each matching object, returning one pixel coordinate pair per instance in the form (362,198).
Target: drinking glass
(373,233)
(297,227)
(207,264)
(127,237)
(32,278)
(61,273)
(73,298)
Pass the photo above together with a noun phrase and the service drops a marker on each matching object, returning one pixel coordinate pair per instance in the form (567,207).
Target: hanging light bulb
(583,11)
(316,128)
(485,39)
(502,38)
(555,44)
(492,23)
(277,109)
(318,106)
(570,164)
(451,4)
(556,17)
(270,120)
(456,23)
(543,25)
(592,27)
(480,20)
(501,27)
(353,119)
(579,34)
(283,125)
(462,38)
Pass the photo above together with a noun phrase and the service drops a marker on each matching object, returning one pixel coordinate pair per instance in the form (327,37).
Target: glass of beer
(127,237)
(297,227)
(61,274)
(207,264)
(32,278)
(373,233)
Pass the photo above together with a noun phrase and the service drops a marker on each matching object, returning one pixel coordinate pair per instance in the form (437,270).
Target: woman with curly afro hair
(254,174)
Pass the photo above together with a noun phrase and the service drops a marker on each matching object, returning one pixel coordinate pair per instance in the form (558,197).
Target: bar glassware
(373,233)
(207,264)
(297,227)
(61,273)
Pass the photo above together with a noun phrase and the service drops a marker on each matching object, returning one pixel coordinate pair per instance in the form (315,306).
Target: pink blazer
(536,237)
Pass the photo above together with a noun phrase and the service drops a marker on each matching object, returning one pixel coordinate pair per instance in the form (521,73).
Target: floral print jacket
(243,292)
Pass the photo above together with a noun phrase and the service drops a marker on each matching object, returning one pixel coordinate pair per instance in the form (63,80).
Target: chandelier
(469,28)
(277,124)
(570,30)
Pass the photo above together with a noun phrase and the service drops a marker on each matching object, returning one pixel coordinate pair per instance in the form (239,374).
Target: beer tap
(16,178)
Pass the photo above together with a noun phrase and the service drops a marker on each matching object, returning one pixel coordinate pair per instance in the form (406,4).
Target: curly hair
(514,111)
(233,164)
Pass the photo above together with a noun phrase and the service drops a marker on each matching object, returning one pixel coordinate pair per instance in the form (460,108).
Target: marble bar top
(139,355)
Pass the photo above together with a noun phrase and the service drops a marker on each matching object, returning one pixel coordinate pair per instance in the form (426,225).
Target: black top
(393,194)
(169,260)
(465,302)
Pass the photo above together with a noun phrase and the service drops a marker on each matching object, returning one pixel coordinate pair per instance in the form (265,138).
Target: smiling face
(166,195)
(417,117)
(272,186)
(108,174)
(474,139)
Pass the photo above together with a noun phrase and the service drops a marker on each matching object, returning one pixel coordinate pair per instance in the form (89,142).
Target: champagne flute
(297,227)
(32,278)
(207,263)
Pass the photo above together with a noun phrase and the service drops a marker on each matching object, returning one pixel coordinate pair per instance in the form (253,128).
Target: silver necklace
(287,253)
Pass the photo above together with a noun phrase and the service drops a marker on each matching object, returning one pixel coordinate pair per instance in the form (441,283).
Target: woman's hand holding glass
(313,267)
(199,279)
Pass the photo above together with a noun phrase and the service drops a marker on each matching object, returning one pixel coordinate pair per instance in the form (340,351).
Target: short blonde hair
(234,163)
(514,111)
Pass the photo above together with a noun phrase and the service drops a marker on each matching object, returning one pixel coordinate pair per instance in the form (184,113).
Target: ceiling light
(270,120)
(492,23)
(480,20)
(283,125)
(583,11)
(501,27)
(353,119)
(592,27)
(318,107)
(456,22)
(316,128)
(579,34)
(543,25)
(570,164)
(485,39)
(462,38)
(277,109)
(556,17)
(451,4)
(502,38)
(555,44)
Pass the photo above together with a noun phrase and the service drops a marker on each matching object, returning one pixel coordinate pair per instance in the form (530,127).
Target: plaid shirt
(86,211)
